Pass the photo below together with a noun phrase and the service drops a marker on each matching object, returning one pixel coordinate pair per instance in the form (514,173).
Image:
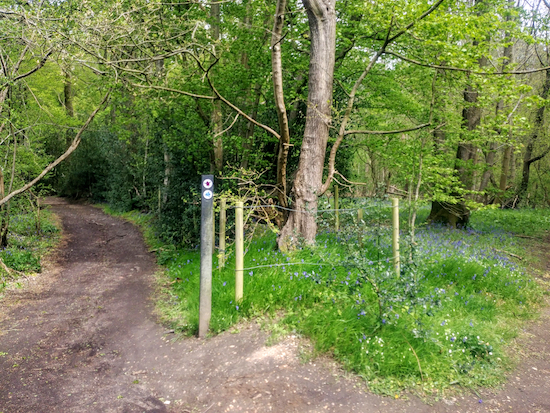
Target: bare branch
(40,64)
(351,183)
(226,129)
(347,114)
(72,147)
(243,114)
(539,157)
(387,132)
(411,24)
(460,69)
(167,89)
(351,101)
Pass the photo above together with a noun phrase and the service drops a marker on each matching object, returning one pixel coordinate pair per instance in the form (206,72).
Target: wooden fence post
(223,218)
(213,226)
(395,238)
(239,251)
(207,216)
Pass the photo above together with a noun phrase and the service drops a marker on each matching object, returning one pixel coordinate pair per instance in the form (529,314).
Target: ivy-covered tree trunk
(458,214)
(301,223)
(278,94)
(490,154)
(528,157)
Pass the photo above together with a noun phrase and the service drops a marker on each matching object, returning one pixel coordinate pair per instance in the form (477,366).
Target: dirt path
(81,338)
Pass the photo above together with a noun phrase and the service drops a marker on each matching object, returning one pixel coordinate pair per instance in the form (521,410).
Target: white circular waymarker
(207,183)
(207,194)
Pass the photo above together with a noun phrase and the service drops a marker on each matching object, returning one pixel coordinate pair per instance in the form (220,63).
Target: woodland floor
(82,337)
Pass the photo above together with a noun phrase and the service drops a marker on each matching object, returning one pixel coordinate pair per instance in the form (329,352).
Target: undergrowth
(29,237)
(448,318)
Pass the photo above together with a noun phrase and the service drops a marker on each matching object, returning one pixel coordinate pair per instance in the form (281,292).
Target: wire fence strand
(298,210)
(289,264)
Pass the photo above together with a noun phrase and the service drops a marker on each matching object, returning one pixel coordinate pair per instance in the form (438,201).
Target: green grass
(449,318)
(27,243)
(530,222)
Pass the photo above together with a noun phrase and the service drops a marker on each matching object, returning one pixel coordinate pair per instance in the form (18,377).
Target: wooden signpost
(207,248)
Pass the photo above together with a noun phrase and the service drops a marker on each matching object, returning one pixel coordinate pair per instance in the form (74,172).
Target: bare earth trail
(81,337)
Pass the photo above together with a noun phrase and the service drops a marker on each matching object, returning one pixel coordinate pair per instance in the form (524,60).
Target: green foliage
(149,160)
(530,222)
(21,260)
(29,237)
(447,318)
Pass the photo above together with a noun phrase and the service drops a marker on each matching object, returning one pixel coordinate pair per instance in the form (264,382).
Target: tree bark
(506,160)
(277,70)
(490,157)
(306,189)
(249,132)
(254,94)
(68,95)
(458,214)
(216,117)
(76,141)
(167,173)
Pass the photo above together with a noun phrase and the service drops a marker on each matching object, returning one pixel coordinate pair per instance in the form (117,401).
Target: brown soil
(81,337)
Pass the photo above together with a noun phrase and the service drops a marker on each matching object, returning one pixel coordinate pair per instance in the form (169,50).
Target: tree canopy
(436,100)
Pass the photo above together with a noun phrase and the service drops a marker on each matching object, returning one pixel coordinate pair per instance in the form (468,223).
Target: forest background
(441,101)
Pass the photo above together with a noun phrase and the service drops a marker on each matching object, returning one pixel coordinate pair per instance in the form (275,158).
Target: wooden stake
(207,218)
(213,226)
(239,251)
(395,238)
(223,218)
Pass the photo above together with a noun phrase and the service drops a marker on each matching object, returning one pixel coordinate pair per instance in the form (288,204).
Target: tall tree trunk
(458,214)
(249,132)
(254,93)
(528,157)
(277,70)
(5,208)
(68,95)
(216,117)
(167,173)
(467,152)
(302,220)
(490,156)
(506,161)
(251,100)
(68,102)
(216,131)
